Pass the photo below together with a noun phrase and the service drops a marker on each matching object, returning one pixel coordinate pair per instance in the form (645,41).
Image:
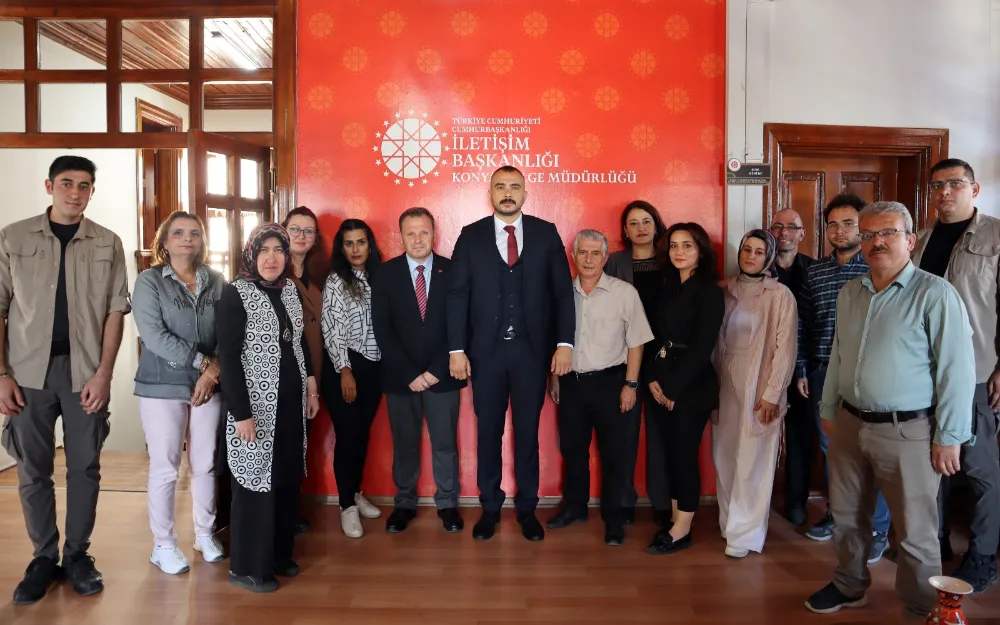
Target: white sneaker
(171,560)
(366,508)
(733,552)
(209,547)
(351,523)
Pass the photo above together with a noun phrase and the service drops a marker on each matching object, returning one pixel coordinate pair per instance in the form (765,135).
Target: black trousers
(513,374)
(657,486)
(261,530)
(587,404)
(352,422)
(981,466)
(800,441)
(682,431)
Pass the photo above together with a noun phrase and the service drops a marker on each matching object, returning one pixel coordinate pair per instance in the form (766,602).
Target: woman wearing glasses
(310,267)
(755,357)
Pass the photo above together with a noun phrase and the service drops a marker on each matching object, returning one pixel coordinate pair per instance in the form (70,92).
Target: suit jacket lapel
(406,281)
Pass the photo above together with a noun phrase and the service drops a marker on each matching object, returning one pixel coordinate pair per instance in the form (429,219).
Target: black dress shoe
(664,543)
(628,515)
(486,526)
(81,572)
(40,575)
(530,527)
(451,519)
(290,569)
(253,584)
(399,519)
(614,534)
(565,517)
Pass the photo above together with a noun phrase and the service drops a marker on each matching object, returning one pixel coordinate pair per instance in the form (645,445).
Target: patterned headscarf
(771,253)
(248,270)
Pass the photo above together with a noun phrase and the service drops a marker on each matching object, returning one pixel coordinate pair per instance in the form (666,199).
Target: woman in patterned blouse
(351,375)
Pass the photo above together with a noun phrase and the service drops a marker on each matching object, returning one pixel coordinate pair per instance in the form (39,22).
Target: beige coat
(773,345)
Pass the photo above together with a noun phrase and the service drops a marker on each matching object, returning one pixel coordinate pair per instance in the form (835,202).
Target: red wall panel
(415,103)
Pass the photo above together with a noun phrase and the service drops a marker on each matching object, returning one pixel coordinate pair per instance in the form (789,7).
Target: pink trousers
(168,424)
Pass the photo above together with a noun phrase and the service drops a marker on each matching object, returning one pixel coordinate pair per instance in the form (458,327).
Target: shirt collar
(603,283)
(414,264)
(500,224)
(902,278)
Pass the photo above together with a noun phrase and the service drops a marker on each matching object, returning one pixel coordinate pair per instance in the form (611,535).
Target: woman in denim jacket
(174,310)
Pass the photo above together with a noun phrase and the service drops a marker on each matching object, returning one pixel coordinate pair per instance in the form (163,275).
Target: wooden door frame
(147,112)
(928,145)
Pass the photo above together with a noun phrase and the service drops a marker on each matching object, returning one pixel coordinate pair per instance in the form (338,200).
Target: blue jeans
(817,376)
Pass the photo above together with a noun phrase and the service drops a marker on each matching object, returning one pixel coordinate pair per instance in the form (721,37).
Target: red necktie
(511,246)
(421,288)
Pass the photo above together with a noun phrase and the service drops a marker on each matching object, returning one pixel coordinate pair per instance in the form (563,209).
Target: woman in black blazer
(688,319)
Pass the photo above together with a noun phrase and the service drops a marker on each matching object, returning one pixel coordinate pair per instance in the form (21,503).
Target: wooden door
(807,183)
(230,190)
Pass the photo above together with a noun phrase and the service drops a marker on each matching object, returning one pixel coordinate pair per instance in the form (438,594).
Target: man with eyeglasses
(817,313)
(896,408)
(963,246)
(800,429)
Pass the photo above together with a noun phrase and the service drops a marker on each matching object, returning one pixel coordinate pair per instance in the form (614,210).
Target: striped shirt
(347,322)
(817,299)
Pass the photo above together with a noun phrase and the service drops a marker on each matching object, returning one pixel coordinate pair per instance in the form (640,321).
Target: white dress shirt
(428,266)
(501,235)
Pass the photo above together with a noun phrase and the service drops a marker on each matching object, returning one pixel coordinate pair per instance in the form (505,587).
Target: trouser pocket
(9,440)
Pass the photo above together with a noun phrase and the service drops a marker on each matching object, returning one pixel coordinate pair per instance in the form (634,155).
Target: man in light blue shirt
(900,380)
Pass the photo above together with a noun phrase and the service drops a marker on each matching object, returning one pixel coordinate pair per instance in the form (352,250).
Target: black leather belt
(619,369)
(667,346)
(900,416)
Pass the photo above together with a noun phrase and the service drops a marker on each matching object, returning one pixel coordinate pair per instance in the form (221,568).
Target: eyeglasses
(953,185)
(306,232)
(847,225)
(885,234)
(779,227)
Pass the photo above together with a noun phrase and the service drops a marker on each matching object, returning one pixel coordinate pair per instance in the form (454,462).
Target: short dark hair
(69,162)
(507,169)
(841,201)
(708,266)
(416,211)
(949,163)
(655,214)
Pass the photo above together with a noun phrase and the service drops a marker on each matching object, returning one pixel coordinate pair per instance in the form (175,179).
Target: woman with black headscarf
(755,358)
(269,390)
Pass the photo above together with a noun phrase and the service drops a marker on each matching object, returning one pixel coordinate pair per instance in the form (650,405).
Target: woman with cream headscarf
(755,358)
(269,390)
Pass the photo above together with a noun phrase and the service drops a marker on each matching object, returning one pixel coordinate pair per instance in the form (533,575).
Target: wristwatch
(632,383)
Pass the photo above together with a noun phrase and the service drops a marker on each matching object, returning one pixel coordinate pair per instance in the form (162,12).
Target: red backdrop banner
(416,103)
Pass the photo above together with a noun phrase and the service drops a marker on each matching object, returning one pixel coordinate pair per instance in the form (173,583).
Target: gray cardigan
(619,265)
(176,330)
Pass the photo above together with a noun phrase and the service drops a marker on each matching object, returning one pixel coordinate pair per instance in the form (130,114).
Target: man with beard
(511,322)
(817,313)
(800,426)
(963,246)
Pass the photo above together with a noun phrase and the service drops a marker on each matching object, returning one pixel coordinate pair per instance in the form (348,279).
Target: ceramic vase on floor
(948,610)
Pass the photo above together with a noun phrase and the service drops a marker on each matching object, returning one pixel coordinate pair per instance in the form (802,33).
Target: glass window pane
(72,44)
(154,107)
(73,107)
(155,44)
(238,106)
(218,174)
(11,44)
(249,179)
(249,221)
(236,42)
(12,96)
(218,240)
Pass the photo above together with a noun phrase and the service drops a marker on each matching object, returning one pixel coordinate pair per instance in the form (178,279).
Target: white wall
(81,108)
(250,120)
(912,63)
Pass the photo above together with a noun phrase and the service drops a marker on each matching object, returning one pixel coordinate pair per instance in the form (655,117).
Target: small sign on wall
(748,173)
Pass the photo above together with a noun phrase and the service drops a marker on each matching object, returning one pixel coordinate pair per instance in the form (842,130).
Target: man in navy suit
(511,322)
(408,313)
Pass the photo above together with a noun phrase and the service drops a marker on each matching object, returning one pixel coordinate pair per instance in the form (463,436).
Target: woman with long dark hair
(352,384)
(270,393)
(641,265)
(685,386)
(310,267)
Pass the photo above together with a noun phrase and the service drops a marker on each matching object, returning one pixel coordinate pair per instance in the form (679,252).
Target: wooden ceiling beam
(123,140)
(135,75)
